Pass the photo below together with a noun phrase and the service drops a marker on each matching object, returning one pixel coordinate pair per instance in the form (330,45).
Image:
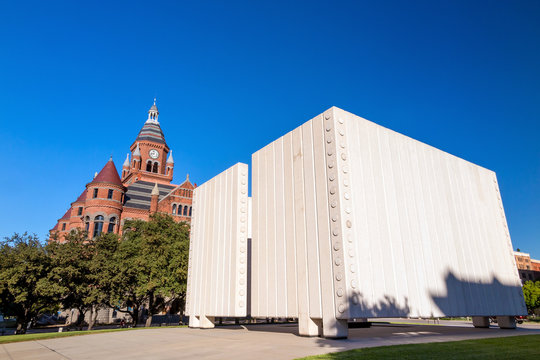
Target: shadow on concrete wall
(386,307)
(462,298)
(470,298)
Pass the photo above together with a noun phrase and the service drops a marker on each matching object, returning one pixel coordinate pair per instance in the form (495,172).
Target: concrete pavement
(239,342)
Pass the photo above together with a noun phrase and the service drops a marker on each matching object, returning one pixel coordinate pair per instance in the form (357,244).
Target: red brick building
(528,269)
(143,188)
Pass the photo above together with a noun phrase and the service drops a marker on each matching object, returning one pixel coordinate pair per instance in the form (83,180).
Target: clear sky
(77,79)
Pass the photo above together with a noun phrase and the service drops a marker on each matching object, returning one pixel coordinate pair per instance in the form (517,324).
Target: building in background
(529,269)
(143,188)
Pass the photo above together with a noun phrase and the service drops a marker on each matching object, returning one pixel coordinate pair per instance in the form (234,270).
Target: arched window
(87,223)
(190,211)
(149,166)
(185,210)
(174,209)
(98,225)
(155,169)
(112,223)
(179,209)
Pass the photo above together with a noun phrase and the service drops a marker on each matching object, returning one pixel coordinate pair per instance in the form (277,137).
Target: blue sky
(77,79)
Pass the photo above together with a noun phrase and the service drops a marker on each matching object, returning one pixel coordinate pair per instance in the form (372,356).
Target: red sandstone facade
(144,188)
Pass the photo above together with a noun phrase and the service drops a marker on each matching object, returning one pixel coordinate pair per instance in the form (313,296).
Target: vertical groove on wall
(407,230)
(218,246)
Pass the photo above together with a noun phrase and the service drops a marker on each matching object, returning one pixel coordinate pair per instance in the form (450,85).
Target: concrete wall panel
(354,220)
(217,278)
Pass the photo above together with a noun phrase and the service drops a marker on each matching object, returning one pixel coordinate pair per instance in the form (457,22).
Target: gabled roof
(151,132)
(186,184)
(108,174)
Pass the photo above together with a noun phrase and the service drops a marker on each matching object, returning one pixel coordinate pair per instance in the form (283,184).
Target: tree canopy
(25,288)
(531,293)
(158,249)
(147,266)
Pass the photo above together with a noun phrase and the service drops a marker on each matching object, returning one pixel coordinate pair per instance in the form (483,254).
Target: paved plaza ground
(272,341)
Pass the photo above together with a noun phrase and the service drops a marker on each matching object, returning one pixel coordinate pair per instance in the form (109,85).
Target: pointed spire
(155,190)
(126,162)
(153,114)
(187,177)
(137,151)
(108,174)
(170,160)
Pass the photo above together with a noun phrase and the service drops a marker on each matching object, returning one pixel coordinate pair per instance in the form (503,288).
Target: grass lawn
(52,335)
(512,347)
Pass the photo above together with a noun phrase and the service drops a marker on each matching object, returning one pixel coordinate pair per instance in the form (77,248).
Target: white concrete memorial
(217,270)
(351,221)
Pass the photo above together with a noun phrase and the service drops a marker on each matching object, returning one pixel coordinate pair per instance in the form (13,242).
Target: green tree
(115,274)
(25,290)
(121,279)
(531,292)
(72,272)
(155,255)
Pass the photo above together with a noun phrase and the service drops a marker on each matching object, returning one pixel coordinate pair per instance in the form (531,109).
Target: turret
(125,167)
(136,162)
(104,199)
(170,166)
(154,200)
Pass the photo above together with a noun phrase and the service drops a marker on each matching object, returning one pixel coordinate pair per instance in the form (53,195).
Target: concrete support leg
(335,328)
(506,322)
(206,322)
(309,327)
(194,322)
(480,321)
